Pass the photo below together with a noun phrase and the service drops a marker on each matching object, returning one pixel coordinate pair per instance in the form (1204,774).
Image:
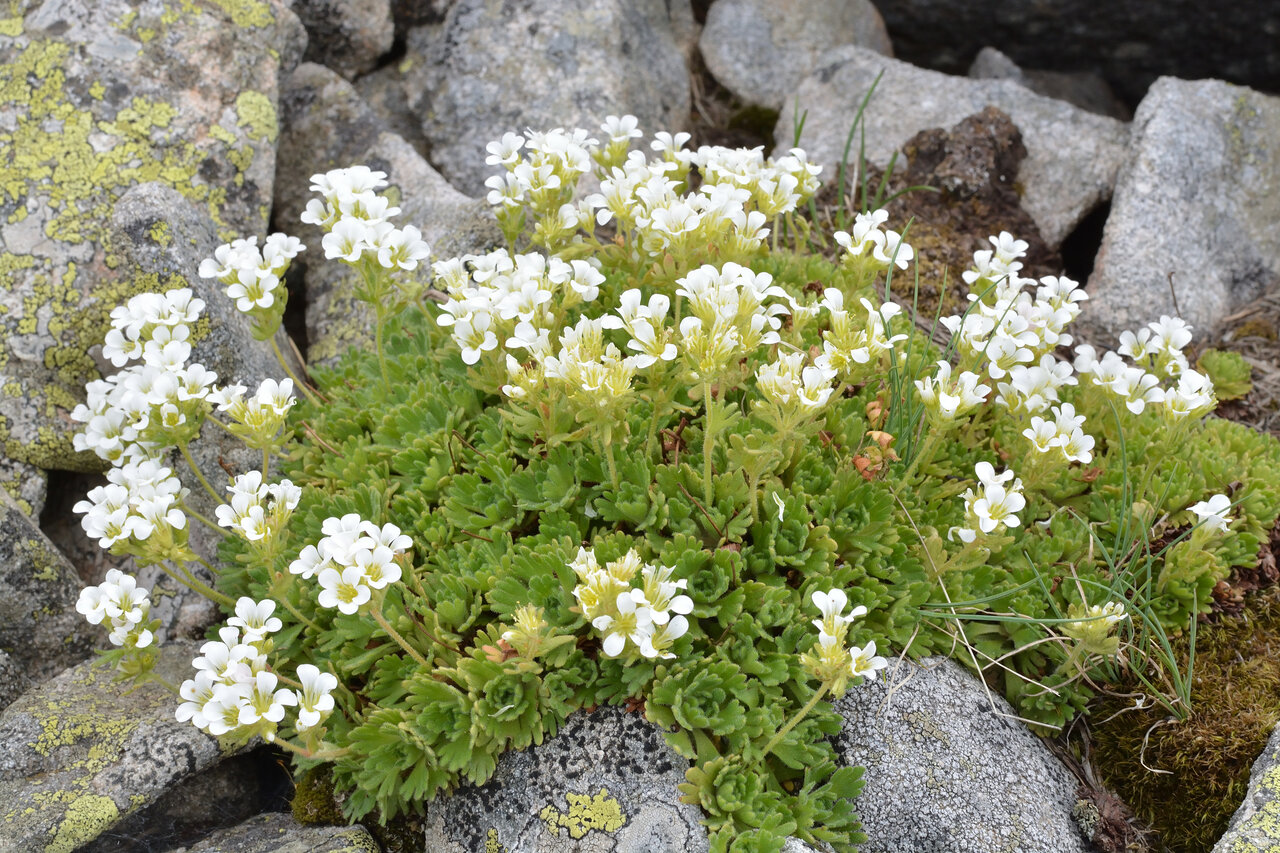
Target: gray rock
(348,36)
(1072,156)
(280,833)
(216,798)
(96,97)
(947,773)
(760,50)
(329,127)
(81,752)
(170,257)
(1198,199)
(1131,42)
(25,483)
(1085,89)
(1253,828)
(40,630)
(503,67)
(384,93)
(606,783)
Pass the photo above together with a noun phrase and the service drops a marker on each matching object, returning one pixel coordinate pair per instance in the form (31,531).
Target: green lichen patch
(87,817)
(585,813)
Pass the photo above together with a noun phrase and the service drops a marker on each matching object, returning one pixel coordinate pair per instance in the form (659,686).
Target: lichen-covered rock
(946,771)
(1255,827)
(348,36)
(40,630)
(496,68)
(760,50)
(606,783)
(1198,199)
(1086,89)
(329,127)
(96,97)
(25,483)
(81,752)
(280,833)
(1072,155)
(162,237)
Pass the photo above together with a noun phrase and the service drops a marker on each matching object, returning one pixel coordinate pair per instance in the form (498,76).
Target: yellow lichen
(247,13)
(161,234)
(257,114)
(10,26)
(601,812)
(88,816)
(491,842)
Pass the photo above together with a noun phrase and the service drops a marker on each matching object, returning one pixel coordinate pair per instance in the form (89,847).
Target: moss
(585,813)
(86,818)
(1208,756)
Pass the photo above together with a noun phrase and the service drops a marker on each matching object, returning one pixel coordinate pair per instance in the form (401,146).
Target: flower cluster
(1092,630)
(729,317)
(234,690)
(1158,373)
(354,558)
(871,243)
(857,351)
(254,276)
(139,512)
(1065,432)
(157,400)
(994,506)
(256,420)
(258,511)
(947,400)
(833,661)
(623,613)
(358,231)
(124,606)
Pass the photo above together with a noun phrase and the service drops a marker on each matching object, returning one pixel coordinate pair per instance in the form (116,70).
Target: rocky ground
(138,134)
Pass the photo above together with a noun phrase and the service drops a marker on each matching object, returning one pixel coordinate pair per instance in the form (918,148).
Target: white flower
(315,700)
(260,700)
(865,662)
(345,590)
(1213,512)
(255,619)
(630,623)
(833,622)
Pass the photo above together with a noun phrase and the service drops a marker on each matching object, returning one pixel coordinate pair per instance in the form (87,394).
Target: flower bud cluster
(253,277)
(1156,356)
(258,511)
(256,420)
(947,400)
(354,558)
(793,392)
(872,246)
(625,614)
(993,506)
(832,661)
(1093,630)
(234,690)
(125,607)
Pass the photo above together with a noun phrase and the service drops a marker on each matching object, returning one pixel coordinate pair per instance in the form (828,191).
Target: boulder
(83,751)
(500,68)
(383,92)
(1086,89)
(280,833)
(760,50)
(95,98)
(329,127)
(348,36)
(1196,211)
(1254,826)
(1131,42)
(25,483)
(40,631)
(949,768)
(1072,155)
(606,782)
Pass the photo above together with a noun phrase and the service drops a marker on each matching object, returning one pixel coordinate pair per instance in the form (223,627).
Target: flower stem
(382,358)
(708,441)
(189,581)
(221,531)
(607,447)
(195,469)
(395,635)
(277,594)
(300,383)
(795,720)
(322,755)
(164,682)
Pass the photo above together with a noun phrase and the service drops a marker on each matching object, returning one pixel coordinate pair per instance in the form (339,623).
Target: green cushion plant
(650,452)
